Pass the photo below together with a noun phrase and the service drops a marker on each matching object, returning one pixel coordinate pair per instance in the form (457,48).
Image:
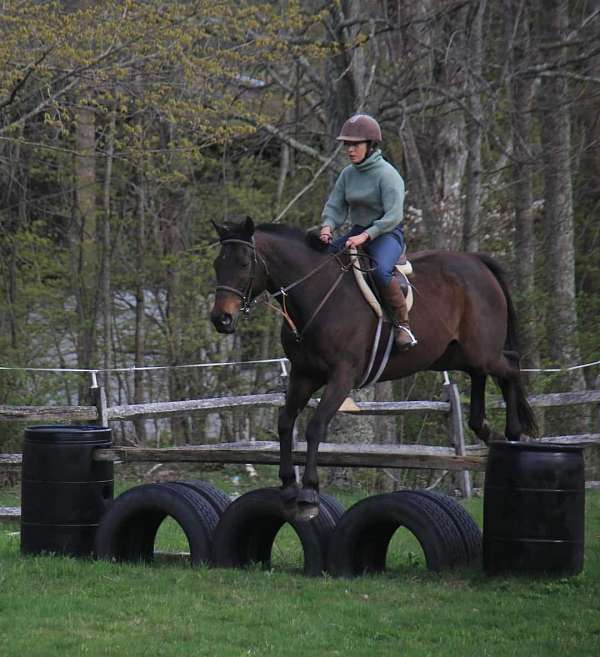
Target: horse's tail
(511,346)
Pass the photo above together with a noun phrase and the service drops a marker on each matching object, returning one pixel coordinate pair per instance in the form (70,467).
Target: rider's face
(356,150)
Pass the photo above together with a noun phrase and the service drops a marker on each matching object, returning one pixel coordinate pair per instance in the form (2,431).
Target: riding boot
(394,299)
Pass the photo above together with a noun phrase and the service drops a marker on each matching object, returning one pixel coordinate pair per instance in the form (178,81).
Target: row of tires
(241,533)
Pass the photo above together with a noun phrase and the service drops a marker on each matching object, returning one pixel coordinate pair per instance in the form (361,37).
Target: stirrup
(403,346)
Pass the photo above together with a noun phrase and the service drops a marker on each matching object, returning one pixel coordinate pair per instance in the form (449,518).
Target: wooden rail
(48,413)
(330,454)
(557,399)
(166,409)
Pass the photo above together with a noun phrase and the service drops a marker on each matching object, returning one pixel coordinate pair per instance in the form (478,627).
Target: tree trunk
(106,257)
(140,306)
(553,104)
(520,99)
(83,241)
(341,101)
(474,121)
(422,190)
(558,193)
(17,187)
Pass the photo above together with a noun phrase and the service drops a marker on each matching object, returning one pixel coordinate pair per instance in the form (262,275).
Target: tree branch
(21,83)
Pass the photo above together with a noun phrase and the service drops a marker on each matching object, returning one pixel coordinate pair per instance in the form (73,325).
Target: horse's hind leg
(477,421)
(513,429)
(299,390)
(519,414)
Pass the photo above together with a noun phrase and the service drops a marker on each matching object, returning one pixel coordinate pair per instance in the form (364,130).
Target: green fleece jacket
(369,194)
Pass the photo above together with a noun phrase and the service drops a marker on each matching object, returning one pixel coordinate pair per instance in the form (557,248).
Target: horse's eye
(245,265)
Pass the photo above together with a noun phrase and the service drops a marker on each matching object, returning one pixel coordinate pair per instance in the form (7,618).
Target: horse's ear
(249,226)
(219,229)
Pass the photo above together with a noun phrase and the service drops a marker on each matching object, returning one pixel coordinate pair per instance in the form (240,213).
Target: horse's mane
(293,232)
(310,239)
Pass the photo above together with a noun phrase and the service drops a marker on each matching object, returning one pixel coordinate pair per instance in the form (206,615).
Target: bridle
(245,296)
(248,300)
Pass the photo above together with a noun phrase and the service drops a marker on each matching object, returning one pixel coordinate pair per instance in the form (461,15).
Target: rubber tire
(127,531)
(247,530)
(361,539)
(218,499)
(335,507)
(466,525)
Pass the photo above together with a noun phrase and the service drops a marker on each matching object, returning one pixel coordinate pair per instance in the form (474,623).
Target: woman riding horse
(370,193)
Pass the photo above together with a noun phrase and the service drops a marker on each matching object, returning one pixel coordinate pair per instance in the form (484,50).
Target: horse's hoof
(289,494)
(306,512)
(485,433)
(308,501)
(309,496)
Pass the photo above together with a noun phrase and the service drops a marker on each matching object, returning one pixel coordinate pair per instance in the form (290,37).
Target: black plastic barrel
(64,492)
(533,513)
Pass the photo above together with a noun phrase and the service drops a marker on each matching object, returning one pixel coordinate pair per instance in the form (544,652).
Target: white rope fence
(148,368)
(563,369)
(282,362)
(143,368)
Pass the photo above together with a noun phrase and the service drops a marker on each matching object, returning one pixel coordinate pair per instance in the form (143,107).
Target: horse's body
(462,316)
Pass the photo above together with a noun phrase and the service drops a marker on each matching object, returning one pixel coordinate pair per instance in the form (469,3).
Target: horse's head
(238,275)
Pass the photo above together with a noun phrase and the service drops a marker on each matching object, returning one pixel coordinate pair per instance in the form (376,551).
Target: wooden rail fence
(460,458)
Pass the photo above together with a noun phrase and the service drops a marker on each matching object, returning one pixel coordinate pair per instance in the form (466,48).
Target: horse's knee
(285,422)
(315,430)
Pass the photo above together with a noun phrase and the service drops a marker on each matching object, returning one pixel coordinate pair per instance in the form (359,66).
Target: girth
(383,338)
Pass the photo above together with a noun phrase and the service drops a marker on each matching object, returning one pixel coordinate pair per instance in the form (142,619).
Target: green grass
(52,606)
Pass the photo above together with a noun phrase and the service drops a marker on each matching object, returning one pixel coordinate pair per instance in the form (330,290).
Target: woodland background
(125,127)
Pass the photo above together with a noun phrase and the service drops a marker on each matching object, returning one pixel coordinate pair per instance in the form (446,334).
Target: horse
(462,315)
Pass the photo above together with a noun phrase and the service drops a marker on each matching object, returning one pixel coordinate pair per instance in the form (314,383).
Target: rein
(248,300)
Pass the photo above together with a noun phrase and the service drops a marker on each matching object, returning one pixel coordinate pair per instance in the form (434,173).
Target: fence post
(455,428)
(596,428)
(284,376)
(98,397)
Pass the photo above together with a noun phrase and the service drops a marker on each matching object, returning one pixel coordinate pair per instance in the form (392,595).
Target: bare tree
(520,94)
(474,125)
(553,103)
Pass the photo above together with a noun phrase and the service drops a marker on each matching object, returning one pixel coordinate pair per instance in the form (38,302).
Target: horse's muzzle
(223,322)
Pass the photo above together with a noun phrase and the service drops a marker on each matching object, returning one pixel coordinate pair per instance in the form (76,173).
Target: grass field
(52,606)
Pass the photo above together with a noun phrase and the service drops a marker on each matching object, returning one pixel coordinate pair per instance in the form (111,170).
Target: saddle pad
(363,286)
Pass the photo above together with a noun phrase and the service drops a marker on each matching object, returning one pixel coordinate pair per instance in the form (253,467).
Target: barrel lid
(533,446)
(75,433)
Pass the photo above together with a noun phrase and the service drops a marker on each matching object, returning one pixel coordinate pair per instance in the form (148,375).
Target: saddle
(368,288)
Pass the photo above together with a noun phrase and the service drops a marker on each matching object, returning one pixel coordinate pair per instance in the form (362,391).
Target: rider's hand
(325,235)
(357,240)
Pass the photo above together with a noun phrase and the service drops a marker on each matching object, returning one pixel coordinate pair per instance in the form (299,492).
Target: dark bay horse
(462,315)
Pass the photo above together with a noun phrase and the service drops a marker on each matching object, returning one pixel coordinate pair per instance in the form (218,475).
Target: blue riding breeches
(383,250)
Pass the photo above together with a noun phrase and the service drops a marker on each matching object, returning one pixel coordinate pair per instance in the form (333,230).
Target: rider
(370,194)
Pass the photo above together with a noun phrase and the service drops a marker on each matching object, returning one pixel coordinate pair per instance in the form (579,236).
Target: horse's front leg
(300,388)
(336,391)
